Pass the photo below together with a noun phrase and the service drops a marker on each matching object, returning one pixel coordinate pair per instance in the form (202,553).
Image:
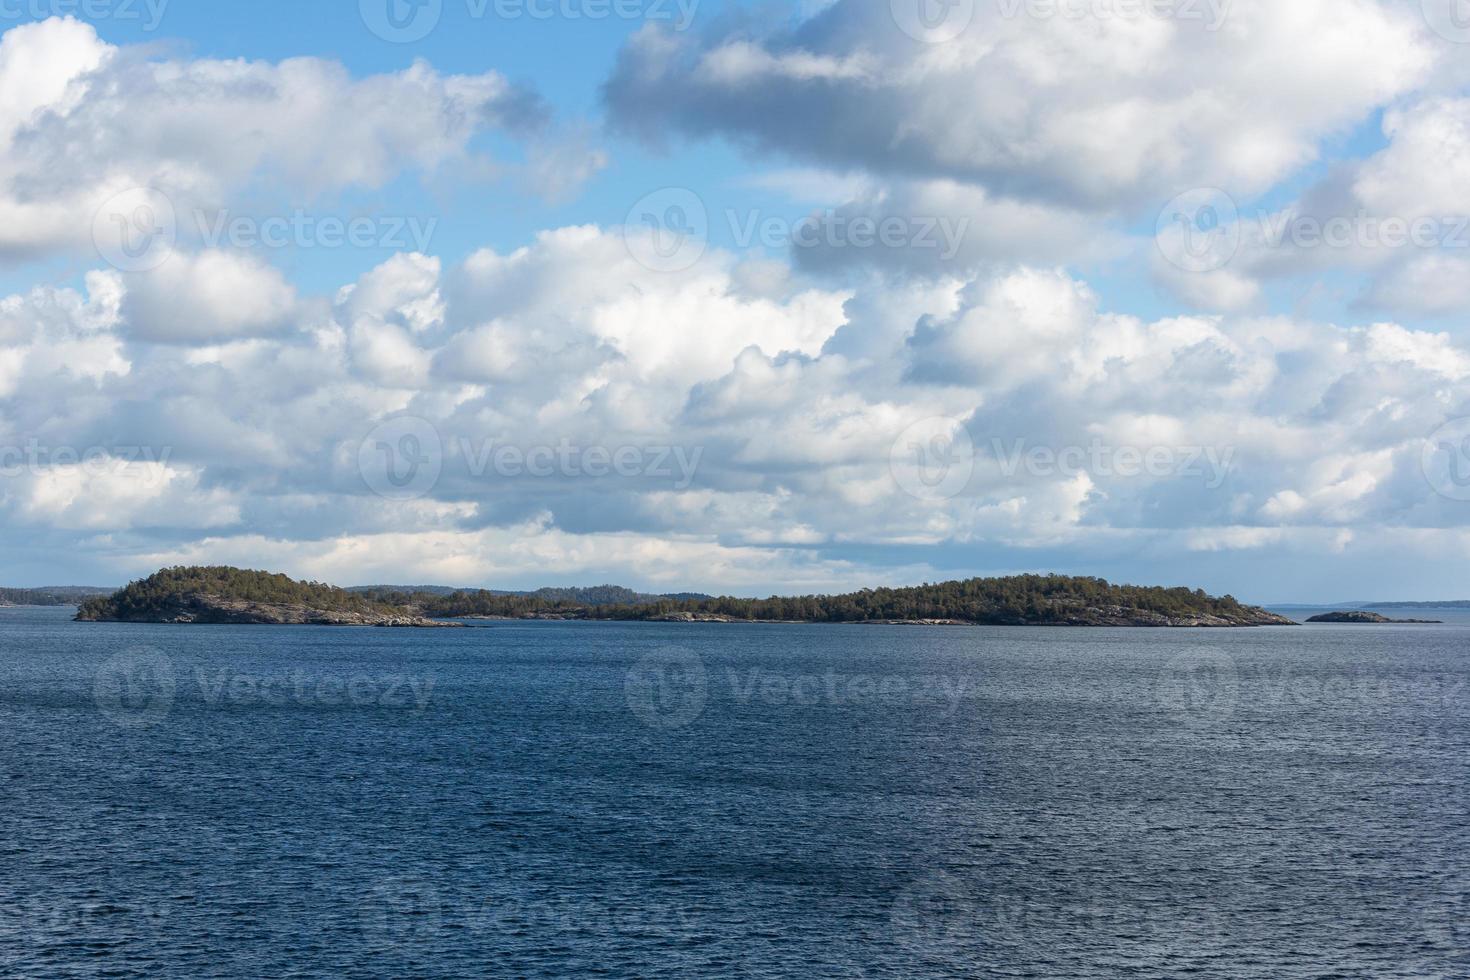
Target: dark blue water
(671,801)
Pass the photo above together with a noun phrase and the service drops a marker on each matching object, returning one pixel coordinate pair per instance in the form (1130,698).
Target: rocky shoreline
(1108,616)
(216,611)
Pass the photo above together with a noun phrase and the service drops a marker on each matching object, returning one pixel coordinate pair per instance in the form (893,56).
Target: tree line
(1018,599)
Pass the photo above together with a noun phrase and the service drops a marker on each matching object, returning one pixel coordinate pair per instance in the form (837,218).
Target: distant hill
(597,595)
(53,595)
(609,595)
(404,589)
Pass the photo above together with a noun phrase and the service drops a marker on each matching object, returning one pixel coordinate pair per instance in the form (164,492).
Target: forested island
(232,595)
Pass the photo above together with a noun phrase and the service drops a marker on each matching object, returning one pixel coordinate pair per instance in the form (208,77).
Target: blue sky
(1171,298)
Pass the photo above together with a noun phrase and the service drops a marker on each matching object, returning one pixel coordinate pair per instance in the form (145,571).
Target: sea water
(670,800)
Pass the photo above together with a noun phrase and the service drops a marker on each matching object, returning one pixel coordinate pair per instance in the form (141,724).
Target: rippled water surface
(560,799)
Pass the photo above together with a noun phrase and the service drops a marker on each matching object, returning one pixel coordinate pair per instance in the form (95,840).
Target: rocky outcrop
(210,609)
(1129,616)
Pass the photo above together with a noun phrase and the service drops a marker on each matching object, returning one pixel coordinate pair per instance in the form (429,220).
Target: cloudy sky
(688,294)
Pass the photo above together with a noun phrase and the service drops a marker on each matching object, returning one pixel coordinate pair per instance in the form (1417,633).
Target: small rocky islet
(1363,616)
